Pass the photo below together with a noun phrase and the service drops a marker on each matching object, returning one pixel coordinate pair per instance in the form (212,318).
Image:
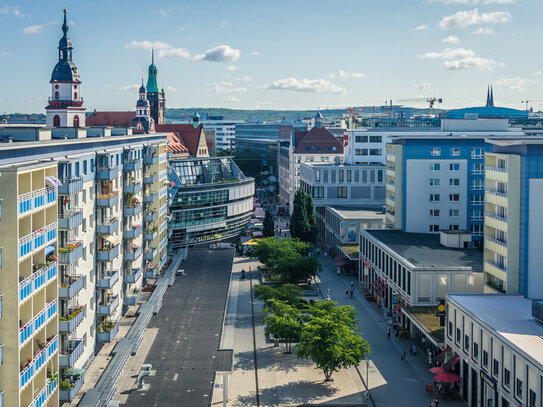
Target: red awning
(451,362)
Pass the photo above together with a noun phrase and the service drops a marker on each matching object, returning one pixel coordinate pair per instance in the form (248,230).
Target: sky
(295,54)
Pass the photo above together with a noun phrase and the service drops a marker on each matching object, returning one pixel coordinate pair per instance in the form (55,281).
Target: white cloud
(37,29)
(232,68)
(226,87)
(164,12)
(451,39)
(483,30)
(342,74)
(164,50)
(4,10)
(306,85)
(231,99)
(5,53)
(222,53)
(424,86)
(448,53)
(224,23)
(254,53)
(460,58)
(181,28)
(462,19)
(422,27)
(135,86)
(475,2)
(243,79)
(516,83)
(171,89)
(537,73)
(18,13)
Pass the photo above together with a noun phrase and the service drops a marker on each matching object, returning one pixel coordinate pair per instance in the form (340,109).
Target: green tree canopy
(269,226)
(288,293)
(303,222)
(284,322)
(270,249)
(297,269)
(310,233)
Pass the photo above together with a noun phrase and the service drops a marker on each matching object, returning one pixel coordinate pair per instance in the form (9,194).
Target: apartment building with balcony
(513,237)
(29,334)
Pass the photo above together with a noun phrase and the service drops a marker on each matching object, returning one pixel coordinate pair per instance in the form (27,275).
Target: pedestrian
(388,332)
(429,357)
(352,284)
(414,349)
(346,293)
(404,354)
(435,402)
(397,334)
(351,291)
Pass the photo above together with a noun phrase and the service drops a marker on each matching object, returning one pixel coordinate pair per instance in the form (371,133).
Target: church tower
(143,122)
(65,108)
(155,95)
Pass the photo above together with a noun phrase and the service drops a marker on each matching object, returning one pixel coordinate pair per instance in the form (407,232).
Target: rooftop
(510,316)
(357,213)
(423,250)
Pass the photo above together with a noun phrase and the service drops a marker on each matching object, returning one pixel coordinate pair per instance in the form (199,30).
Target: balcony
(495,192)
(150,179)
(133,276)
(150,160)
(39,360)
(150,234)
(39,278)
(132,210)
(108,174)
(34,325)
(107,330)
(163,243)
(150,198)
(108,227)
(151,272)
(37,199)
(71,287)
(71,186)
(70,253)
(132,254)
(74,349)
(132,165)
(75,316)
(163,174)
(107,200)
(150,216)
(44,394)
(37,240)
(109,307)
(70,219)
(164,225)
(132,188)
(133,232)
(69,395)
(150,253)
(107,254)
(108,279)
(134,298)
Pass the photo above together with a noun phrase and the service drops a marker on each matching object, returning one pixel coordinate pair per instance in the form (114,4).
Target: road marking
(175,376)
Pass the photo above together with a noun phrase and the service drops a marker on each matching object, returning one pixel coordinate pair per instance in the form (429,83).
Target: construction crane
(352,118)
(430,100)
(528,101)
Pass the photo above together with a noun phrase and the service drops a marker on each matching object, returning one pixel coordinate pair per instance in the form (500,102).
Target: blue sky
(277,54)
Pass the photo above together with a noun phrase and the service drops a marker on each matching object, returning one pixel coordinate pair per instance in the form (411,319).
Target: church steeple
(489,97)
(155,94)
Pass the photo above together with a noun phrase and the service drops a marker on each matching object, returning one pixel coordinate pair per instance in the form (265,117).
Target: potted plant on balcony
(66,385)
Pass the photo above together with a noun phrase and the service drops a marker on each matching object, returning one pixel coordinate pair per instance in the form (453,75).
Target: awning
(53,180)
(49,249)
(451,362)
(251,242)
(441,356)
(113,240)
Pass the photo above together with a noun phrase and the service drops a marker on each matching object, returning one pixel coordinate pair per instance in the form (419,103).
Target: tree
(283,322)
(298,219)
(332,345)
(288,293)
(269,249)
(269,226)
(310,233)
(296,269)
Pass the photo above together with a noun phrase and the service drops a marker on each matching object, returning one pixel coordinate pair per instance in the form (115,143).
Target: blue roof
(488,112)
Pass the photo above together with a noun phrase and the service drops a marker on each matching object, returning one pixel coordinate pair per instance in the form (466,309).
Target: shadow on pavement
(270,358)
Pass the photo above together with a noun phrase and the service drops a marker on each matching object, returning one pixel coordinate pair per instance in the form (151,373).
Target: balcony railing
(39,360)
(150,235)
(109,307)
(71,252)
(133,232)
(107,254)
(150,179)
(107,331)
(497,169)
(150,216)
(44,394)
(70,219)
(497,217)
(73,319)
(496,241)
(150,198)
(71,186)
(151,272)
(132,211)
(108,199)
(132,188)
(163,243)
(132,254)
(150,253)
(108,279)
(150,160)
(107,173)
(108,227)
(163,226)
(71,287)
(134,298)
(28,202)
(132,276)
(74,349)
(496,286)
(163,192)
(132,165)
(69,395)
(37,240)
(37,280)
(496,193)
(163,174)
(34,325)
(496,266)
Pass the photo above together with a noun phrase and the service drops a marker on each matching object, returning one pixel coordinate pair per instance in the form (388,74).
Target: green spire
(152,80)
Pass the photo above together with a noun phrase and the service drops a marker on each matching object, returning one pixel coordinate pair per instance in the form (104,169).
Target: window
(455,152)
(434,197)
(435,167)
(477,230)
(495,367)
(477,183)
(454,227)
(84,196)
(485,358)
(434,213)
(56,121)
(506,378)
(342,192)
(458,335)
(318,192)
(435,151)
(349,175)
(454,213)
(454,167)
(454,182)
(475,350)
(450,329)
(478,168)
(466,343)
(434,182)
(454,197)
(477,153)
(532,397)
(477,214)
(380,176)
(375,139)
(361,151)
(361,139)
(340,174)
(84,224)
(477,199)
(518,389)
(376,151)
(57,95)
(434,228)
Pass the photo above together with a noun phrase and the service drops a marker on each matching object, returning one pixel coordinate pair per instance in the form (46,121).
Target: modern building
(496,341)
(315,145)
(437,182)
(489,111)
(268,131)
(211,200)
(72,199)
(513,225)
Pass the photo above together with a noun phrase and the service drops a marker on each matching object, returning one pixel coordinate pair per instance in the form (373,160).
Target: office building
(225,130)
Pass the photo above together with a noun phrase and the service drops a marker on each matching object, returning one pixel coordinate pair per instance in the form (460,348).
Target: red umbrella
(447,378)
(438,370)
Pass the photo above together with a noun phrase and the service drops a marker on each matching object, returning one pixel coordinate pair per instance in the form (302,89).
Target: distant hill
(257,115)
(23,118)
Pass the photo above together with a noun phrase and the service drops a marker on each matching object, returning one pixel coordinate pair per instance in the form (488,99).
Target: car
(180,272)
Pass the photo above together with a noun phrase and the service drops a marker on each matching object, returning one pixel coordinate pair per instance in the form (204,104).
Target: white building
(225,130)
